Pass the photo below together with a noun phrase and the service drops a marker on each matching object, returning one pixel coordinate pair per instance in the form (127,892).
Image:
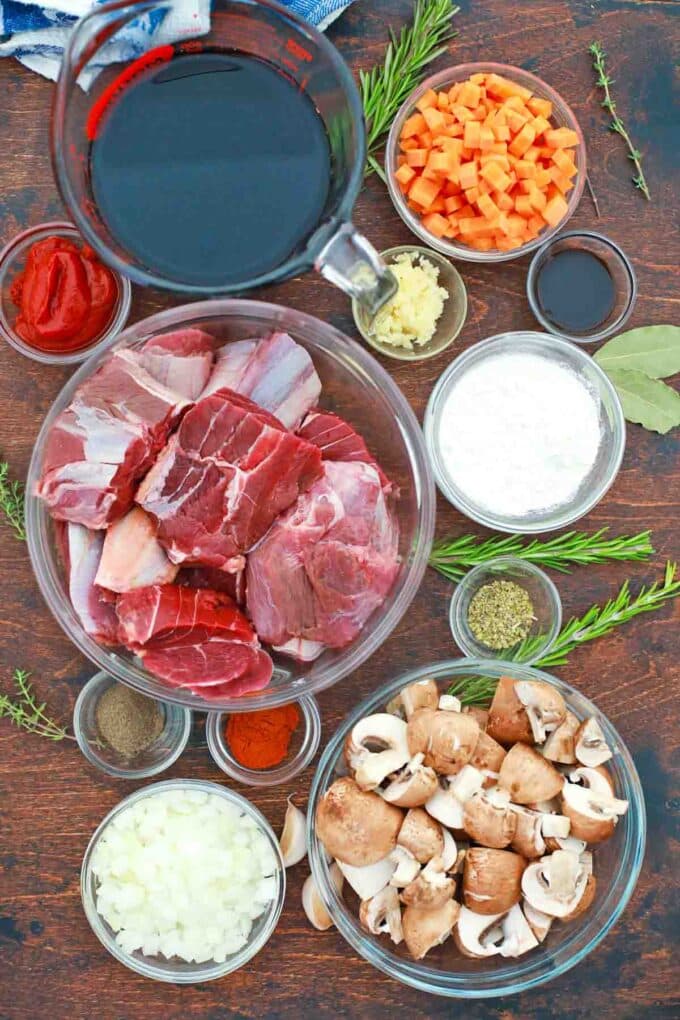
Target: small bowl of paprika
(265,748)
(58,302)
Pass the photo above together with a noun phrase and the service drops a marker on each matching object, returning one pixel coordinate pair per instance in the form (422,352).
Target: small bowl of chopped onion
(183,881)
(426,314)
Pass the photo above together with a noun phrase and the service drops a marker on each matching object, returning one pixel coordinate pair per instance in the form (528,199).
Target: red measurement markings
(160,55)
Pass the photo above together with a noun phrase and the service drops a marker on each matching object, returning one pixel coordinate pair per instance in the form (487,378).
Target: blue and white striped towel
(36,33)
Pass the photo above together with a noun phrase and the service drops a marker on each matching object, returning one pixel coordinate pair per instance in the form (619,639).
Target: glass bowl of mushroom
(475,828)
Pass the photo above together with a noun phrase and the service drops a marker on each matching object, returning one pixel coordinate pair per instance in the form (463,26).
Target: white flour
(519,433)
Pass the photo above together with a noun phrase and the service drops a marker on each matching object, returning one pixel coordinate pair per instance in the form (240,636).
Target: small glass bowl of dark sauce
(581,286)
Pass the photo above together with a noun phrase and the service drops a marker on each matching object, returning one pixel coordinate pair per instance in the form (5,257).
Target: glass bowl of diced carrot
(485,162)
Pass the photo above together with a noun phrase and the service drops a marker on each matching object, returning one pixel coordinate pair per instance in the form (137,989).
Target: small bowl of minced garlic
(425,315)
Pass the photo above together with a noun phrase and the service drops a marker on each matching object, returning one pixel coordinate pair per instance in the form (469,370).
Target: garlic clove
(293,840)
(312,904)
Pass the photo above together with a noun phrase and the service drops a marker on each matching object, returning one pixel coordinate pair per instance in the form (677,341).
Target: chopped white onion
(183,874)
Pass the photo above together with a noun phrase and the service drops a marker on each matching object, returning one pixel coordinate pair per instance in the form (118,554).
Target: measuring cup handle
(350,262)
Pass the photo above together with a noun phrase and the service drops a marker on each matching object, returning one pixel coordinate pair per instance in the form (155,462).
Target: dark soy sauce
(211,170)
(575,291)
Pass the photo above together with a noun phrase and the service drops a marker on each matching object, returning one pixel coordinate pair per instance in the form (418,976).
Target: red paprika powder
(260,740)
(65,296)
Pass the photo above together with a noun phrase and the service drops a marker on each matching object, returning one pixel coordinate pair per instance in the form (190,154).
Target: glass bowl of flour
(525,432)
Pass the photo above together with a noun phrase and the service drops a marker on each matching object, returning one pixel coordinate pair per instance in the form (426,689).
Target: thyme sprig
(617,125)
(12,501)
(27,714)
(453,557)
(386,86)
(598,621)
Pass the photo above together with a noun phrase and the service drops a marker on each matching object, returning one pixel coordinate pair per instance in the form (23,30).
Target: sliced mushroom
(371,766)
(545,807)
(313,905)
(448,703)
(356,826)
(449,854)
(586,900)
(538,921)
(557,826)
(293,840)
(590,746)
(544,706)
(425,929)
(421,835)
(446,808)
(527,776)
(577,846)
(488,820)
(371,878)
(480,714)
(555,884)
(447,739)
(422,694)
(488,757)
(467,783)
(382,914)
(597,780)
(492,880)
(407,867)
(518,936)
(592,815)
(528,836)
(432,887)
(414,785)
(559,747)
(508,721)
(477,935)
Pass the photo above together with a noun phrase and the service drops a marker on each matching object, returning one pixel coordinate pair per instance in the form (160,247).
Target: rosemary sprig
(12,501)
(598,621)
(453,557)
(617,125)
(385,87)
(27,714)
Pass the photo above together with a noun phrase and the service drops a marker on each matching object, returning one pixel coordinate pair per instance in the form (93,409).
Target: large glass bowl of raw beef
(231,507)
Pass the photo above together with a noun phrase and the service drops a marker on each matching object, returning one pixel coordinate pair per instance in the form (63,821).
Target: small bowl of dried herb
(506,608)
(127,734)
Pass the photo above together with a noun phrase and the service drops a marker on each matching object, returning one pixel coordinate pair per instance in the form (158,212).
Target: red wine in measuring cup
(211,169)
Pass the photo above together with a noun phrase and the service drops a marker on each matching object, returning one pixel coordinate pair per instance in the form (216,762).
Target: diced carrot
(413,125)
(561,138)
(483,187)
(502,133)
(525,185)
(497,178)
(425,140)
(438,206)
(442,100)
(454,92)
(475,225)
(564,163)
(493,157)
(488,208)
(408,143)
(486,138)
(536,224)
(416,157)
(516,121)
(502,87)
(561,180)
(427,100)
(471,134)
(540,125)
(440,163)
(467,175)
(483,243)
(524,168)
(453,202)
(542,179)
(451,187)
(470,95)
(401,160)
(472,194)
(538,199)
(424,191)
(449,119)
(532,154)
(515,103)
(478,78)
(523,206)
(540,107)
(465,212)
(434,118)
(436,224)
(499,148)
(416,206)
(503,201)
(405,175)
(555,210)
(453,145)
(480,113)
(522,141)
(461,113)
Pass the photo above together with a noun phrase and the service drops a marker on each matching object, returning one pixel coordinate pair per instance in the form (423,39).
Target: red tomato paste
(65,296)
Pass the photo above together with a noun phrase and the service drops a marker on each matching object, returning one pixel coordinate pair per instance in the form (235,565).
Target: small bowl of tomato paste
(59,303)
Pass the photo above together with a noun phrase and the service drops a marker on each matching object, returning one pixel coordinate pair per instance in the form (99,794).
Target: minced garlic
(411,316)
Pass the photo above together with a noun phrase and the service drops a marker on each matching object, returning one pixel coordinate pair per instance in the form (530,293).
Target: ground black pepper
(128,721)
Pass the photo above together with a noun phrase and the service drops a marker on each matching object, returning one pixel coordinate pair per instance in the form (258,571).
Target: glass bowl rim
(414,973)
(199,972)
(459,634)
(62,228)
(619,254)
(180,711)
(549,345)
(330,339)
(278,774)
(419,353)
(453,74)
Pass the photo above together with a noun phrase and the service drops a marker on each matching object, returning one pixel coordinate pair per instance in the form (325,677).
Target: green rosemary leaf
(12,502)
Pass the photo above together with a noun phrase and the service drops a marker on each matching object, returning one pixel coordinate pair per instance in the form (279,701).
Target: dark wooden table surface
(51,966)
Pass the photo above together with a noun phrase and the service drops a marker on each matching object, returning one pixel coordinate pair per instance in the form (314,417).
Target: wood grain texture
(51,966)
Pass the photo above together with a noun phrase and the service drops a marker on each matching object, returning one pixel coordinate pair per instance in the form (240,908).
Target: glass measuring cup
(259,28)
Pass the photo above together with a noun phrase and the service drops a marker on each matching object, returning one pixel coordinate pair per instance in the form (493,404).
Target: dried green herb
(500,614)
(385,87)
(616,124)
(27,714)
(12,502)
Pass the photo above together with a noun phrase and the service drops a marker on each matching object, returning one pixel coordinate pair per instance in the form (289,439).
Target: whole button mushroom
(425,929)
(492,880)
(446,739)
(528,777)
(356,826)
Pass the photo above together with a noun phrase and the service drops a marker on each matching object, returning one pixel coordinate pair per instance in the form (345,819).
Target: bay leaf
(646,401)
(654,350)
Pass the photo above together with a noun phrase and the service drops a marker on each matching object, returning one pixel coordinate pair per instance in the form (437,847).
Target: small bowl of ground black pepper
(127,734)
(267,747)
(506,608)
